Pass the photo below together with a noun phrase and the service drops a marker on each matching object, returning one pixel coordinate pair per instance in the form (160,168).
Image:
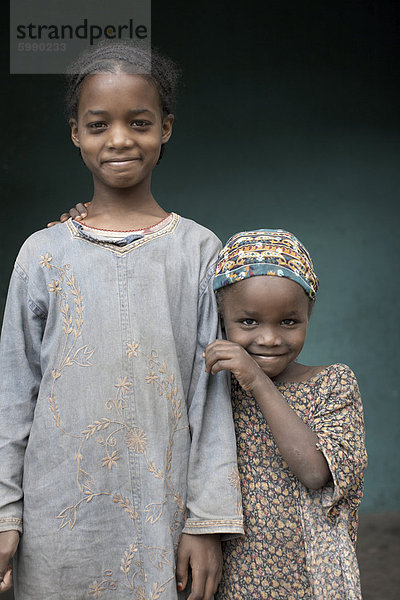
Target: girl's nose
(120,136)
(268,336)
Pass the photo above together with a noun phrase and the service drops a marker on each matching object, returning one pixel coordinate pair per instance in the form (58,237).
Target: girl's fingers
(6,583)
(78,212)
(212,358)
(74,214)
(182,567)
(210,589)
(218,344)
(220,350)
(81,209)
(221,365)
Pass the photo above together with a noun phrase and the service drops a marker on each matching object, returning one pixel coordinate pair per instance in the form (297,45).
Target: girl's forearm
(296,442)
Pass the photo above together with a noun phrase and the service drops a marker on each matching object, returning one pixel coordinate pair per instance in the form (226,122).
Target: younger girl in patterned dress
(300,431)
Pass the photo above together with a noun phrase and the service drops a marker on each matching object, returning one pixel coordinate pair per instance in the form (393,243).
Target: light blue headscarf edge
(253,270)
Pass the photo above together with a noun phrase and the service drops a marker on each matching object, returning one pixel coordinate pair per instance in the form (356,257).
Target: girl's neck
(123,211)
(296,372)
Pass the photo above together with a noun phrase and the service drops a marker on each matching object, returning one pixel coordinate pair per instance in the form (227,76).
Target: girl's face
(120,129)
(268,316)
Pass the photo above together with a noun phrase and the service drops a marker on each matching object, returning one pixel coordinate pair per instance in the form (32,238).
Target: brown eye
(140,124)
(288,322)
(97,125)
(249,322)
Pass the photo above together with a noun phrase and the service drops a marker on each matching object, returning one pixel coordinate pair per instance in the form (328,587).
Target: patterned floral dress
(299,543)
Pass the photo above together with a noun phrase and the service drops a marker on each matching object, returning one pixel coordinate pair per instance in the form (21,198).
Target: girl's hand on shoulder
(78,213)
(223,355)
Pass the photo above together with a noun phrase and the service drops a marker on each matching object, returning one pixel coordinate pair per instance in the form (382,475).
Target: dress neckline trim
(130,242)
(127,231)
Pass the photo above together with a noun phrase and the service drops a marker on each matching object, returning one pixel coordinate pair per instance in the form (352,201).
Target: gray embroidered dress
(112,437)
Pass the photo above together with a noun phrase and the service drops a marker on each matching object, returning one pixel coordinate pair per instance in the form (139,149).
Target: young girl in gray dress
(113,440)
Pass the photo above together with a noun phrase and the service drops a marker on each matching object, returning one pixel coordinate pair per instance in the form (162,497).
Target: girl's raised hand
(223,355)
(78,212)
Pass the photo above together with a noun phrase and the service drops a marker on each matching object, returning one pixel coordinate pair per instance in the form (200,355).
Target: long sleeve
(22,332)
(213,497)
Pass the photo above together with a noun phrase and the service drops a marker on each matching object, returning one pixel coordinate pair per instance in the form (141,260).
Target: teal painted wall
(288,118)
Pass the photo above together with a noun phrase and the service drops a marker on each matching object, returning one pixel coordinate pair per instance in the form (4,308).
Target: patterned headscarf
(265,252)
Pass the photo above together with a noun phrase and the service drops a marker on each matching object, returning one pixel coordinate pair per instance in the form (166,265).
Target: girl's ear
(167,128)
(74,132)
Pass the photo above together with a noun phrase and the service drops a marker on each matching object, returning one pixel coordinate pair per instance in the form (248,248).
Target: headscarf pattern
(265,252)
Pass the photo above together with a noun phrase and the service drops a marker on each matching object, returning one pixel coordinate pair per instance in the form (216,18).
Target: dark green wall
(288,118)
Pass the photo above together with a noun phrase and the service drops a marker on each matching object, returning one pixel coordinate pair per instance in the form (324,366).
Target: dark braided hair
(126,57)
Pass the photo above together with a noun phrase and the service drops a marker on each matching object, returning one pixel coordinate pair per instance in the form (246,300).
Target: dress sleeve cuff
(223,526)
(9,523)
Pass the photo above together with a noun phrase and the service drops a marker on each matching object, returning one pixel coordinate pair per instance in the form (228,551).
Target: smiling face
(268,316)
(120,129)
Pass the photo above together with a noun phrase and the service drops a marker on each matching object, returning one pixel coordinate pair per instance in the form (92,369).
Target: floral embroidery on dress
(45,261)
(110,431)
(234,481)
